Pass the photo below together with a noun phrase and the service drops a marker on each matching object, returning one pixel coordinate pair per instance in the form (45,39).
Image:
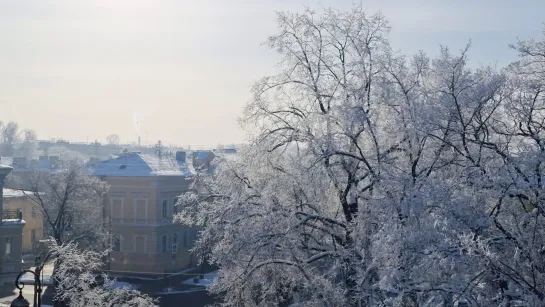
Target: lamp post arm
(38,291)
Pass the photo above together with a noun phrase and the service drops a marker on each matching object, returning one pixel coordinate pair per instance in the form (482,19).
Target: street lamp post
(20,301)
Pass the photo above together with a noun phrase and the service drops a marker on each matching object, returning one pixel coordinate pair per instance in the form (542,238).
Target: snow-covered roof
(13,222)
(139,165)
(11,193)
(4,170)
(5,161)
(40,164)
(202,155)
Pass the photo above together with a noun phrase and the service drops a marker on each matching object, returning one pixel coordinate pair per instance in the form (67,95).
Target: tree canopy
(377,179)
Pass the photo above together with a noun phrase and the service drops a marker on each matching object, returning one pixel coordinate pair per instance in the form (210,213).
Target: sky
(80,70)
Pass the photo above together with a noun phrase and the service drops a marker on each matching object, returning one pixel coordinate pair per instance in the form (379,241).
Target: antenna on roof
(159,149)
(125,152)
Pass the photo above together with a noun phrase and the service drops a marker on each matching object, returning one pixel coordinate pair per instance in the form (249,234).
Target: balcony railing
(12,214)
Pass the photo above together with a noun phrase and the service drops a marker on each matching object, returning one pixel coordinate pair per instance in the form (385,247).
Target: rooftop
(7,222)
(11,193)
(5,166)
(141,165)
(43,163)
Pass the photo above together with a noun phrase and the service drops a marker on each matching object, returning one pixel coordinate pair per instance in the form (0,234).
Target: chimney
(180,156)
(4,171)
(138,141)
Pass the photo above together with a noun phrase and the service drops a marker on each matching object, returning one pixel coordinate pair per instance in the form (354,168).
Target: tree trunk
(350,273)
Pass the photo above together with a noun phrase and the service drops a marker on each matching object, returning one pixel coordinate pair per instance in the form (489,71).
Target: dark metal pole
(39,290)
(37,287)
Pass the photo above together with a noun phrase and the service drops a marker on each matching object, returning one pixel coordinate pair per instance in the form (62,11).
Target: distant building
(33,231)
(140,205)
(24,168)
(11,230)
(226,150)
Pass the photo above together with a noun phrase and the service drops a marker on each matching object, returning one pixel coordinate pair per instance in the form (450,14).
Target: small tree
(70,199)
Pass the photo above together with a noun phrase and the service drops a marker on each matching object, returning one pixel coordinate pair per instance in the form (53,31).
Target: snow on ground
(153,278)
(205,282)
(123,285)
(167,291)
(133,277)
(28,279)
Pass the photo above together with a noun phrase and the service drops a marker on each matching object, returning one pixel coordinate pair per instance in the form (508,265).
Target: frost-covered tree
(374,179)
(70,199)
(509,131)
(80,282)
(70,203)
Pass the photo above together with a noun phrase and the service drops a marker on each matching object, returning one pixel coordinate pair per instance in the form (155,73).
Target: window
(8,247)
(33,212)
(33,235)
(116,243)
(186,234)
(116,209)
(174,242)
(141,210)
(174,207)
(140,244)
(164,243)
(165,204)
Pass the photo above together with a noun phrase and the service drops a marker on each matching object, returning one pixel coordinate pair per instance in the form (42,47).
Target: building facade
(11,229)
(140,206)
(33,231)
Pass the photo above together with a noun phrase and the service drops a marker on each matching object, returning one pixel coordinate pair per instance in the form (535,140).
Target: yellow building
(33,231)
(11,226)
(140,207)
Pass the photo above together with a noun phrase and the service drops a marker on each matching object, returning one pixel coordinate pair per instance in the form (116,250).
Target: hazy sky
(80,70)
